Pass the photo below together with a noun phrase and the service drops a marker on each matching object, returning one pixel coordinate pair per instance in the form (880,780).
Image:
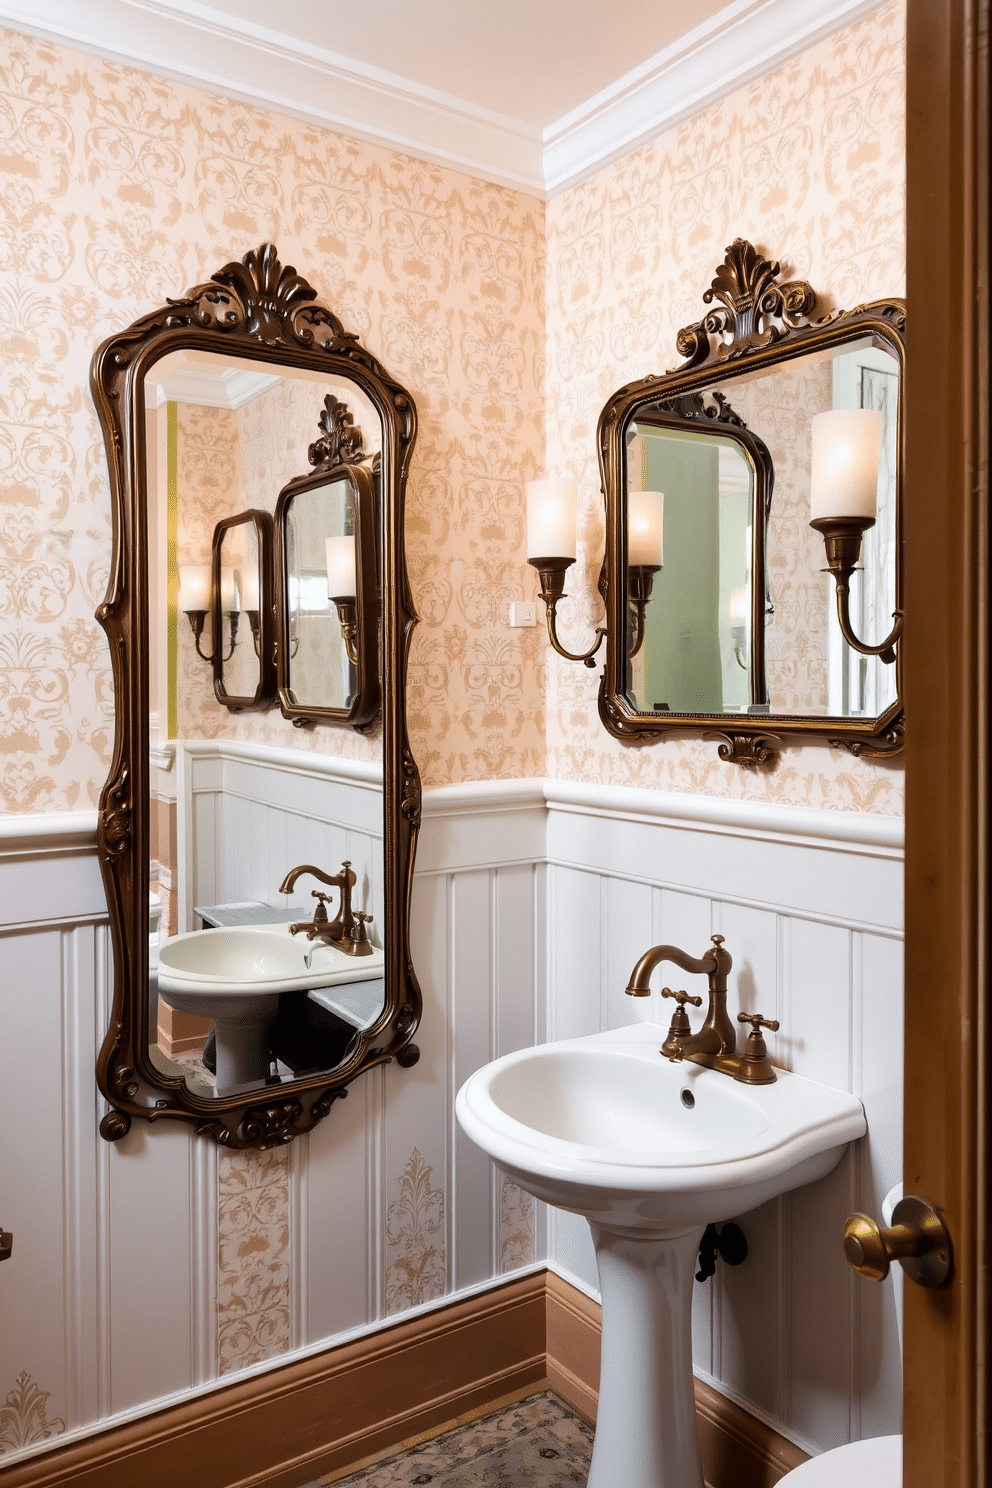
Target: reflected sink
(248,957)
(649,1153)
(234,977)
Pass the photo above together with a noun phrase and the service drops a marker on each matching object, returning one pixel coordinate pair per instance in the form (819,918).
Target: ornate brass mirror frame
(759,324)
(260,310)
(337,454)
(262,621)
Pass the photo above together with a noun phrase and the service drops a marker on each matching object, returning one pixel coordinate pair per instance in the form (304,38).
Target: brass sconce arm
(197,620)
(347,609)
(842,538)
(552,574)
(640,585)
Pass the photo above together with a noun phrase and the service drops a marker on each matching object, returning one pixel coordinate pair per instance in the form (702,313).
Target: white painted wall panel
(527,920)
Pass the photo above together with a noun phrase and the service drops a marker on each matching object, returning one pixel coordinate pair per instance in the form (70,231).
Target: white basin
(598,1126)
(234,976)
(650,1153)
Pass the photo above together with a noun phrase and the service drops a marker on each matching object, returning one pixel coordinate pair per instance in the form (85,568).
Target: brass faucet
(347,930)
(715,1045)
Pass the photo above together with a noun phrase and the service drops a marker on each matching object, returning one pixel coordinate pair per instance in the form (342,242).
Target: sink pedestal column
(646,1422)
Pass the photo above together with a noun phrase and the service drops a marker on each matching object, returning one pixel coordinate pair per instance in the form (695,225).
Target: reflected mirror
(328,566)
(259,875)
(242,600)
(724,602)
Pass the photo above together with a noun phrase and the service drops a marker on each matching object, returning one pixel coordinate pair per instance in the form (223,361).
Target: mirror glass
(320,672)
(224,436)
(734,580)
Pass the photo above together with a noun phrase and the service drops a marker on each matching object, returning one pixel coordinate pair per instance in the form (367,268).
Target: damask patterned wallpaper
(121,189)
(808,164)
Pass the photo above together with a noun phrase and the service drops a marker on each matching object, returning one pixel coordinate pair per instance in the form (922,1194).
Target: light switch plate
(523,612)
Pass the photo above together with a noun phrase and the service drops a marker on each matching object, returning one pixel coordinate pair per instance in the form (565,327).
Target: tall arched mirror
(258,873)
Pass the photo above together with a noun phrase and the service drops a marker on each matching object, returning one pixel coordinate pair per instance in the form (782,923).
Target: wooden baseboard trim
(320,1414)
(738,1450)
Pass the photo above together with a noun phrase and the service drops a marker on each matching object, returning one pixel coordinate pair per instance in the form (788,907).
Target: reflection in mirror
(242,589)
(321,674)
(245,991)
(700,627)
(696,652)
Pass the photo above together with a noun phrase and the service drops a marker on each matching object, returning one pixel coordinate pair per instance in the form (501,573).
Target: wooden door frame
(946,662)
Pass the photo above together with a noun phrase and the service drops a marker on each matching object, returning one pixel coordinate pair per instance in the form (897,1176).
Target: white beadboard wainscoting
(162,1265)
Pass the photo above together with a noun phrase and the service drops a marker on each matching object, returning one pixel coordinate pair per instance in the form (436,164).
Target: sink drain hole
(687,1098)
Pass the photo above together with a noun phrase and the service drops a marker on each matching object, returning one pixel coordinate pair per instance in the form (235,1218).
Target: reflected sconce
(738,624)
(645,554)
(843,505)
(248,587)
(195,596)
(342,590)
(551,506)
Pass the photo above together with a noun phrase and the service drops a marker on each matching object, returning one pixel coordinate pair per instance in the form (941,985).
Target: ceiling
(535,94)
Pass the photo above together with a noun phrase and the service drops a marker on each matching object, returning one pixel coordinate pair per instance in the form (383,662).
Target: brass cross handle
(757,1021)
(682,998)
(917,1238)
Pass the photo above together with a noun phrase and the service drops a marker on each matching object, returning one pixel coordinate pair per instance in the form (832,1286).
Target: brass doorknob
(917,1238)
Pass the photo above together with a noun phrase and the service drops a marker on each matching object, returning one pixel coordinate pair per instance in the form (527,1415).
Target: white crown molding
(230,387)
(745,40)
(194,43)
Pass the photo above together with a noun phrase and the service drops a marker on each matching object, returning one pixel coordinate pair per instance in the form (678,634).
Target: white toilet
(877,1462)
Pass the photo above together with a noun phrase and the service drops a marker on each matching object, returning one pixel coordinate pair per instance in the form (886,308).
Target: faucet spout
(716,1041)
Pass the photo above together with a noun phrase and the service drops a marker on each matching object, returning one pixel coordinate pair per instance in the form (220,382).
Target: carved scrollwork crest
(754,309)
(341,441)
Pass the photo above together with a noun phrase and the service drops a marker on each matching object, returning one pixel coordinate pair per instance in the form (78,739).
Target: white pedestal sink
(650,1153)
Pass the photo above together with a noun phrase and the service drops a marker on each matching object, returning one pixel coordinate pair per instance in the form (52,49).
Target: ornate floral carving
(411,801)
(748,750)
(341,442)
(117,816)
(755,310)
(24,1416)
(415,1272)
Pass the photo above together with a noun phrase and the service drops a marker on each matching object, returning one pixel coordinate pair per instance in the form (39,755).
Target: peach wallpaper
(122,189)
(806,163)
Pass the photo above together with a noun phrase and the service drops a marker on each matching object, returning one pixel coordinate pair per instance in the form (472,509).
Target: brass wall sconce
(196,600)
(342,589)
(843,496)
(551,506)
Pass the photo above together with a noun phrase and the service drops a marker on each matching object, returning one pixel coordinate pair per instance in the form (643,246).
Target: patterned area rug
(536,1441)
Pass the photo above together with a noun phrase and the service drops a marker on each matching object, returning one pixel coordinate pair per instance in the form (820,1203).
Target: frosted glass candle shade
(341,577)
(844,477)
(551,506)
(230,598)
(194,587)
(645,528)
(248,584)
